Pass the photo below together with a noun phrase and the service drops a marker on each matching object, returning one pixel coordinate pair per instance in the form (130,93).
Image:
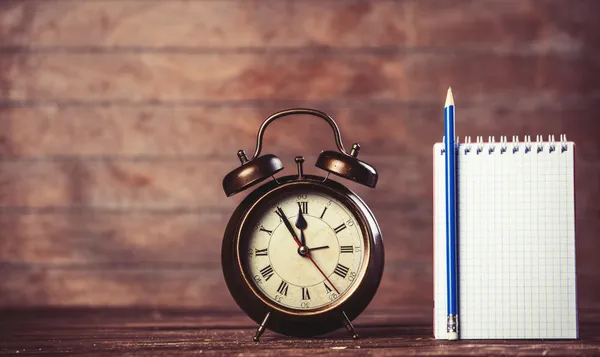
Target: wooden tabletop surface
(101,332)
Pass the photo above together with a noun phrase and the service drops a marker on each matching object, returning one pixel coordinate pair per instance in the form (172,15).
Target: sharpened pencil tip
(449,98)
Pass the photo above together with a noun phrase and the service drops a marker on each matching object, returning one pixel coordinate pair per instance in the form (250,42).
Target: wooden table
(152,332)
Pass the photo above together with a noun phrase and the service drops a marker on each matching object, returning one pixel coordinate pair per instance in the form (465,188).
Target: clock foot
(349,326)
(261,328)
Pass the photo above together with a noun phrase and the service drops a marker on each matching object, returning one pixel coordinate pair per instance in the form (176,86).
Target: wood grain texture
(185,78)
(163,238)
(168,285)
(176,131)
(195,184)
(499,25)
(111,285)
(95,262)
(177,184)
(152,332)
(119,118)
(179,238)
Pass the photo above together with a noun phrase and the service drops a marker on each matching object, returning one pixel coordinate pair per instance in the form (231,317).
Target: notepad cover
(516,241)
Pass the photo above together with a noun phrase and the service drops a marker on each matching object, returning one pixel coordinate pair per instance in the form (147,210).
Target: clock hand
(302,238)
(321,271)
(287,224)
(301,224)
(317,248)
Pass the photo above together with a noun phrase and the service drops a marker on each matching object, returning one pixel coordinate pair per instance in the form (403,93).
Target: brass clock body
(302,255)
(348,284)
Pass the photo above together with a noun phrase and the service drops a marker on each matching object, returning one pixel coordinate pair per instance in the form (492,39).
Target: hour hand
(301,224)
(302,239)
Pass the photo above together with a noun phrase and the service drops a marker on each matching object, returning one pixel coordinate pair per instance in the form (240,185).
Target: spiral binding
(514,146)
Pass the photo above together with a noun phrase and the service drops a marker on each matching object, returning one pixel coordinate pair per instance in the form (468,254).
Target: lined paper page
(516,237)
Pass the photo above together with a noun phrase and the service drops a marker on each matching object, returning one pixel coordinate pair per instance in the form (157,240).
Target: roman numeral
(280,213)
(322,214)
(327,288)
(341,270)
(283,288)
(260,252)
(303,207)
(267,272)
(305,294)
(340,228)
(346,249)
(263,229)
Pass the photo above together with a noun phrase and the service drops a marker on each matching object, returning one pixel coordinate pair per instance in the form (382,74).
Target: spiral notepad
(516,239)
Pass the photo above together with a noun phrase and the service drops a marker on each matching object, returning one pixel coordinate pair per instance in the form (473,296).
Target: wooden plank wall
(119,118)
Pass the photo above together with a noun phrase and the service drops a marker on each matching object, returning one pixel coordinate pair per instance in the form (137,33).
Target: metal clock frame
(289,321)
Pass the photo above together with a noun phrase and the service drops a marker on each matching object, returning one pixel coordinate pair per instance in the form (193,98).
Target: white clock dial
(311,274)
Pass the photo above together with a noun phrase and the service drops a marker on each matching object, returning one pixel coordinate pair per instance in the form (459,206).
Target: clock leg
(349,326)
(261,328)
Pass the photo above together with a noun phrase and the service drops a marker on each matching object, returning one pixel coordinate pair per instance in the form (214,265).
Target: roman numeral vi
(305,294)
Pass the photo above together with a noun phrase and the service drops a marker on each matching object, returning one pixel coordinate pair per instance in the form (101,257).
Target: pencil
(451,263)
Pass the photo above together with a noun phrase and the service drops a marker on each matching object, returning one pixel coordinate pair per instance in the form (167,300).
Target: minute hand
(289,227)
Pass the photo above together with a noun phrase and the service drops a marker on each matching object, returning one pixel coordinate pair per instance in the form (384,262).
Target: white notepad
(516,240)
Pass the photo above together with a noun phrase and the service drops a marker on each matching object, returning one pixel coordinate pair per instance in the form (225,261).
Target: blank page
(516,241)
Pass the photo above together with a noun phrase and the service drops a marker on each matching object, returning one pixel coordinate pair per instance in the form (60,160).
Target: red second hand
(289,227)
(315,264)
(326,278)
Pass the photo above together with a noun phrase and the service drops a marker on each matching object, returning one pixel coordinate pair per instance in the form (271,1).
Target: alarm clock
(302,255)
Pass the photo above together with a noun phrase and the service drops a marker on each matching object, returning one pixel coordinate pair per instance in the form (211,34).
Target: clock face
(304,251)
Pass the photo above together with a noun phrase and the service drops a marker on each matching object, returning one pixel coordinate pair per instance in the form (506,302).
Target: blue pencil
(451,262)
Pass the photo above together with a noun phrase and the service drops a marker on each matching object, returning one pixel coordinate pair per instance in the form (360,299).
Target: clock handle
(259,168)
(341,163)
(336,130)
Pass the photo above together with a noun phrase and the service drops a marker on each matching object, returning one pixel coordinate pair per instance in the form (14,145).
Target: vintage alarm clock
(302,255)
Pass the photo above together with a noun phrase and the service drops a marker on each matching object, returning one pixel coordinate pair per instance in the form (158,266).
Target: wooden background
(119,118)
